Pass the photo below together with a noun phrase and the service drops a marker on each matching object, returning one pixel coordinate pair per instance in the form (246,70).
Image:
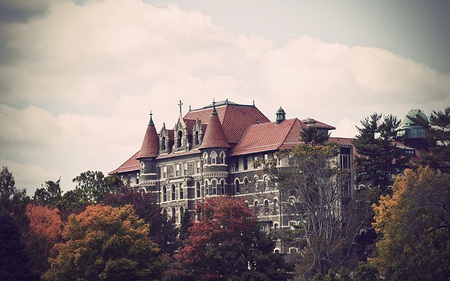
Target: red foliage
(44,222)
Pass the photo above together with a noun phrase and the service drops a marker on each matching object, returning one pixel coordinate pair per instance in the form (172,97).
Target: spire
(214,135)
(150,144)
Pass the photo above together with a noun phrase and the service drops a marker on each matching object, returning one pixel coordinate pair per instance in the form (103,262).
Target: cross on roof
(180,104)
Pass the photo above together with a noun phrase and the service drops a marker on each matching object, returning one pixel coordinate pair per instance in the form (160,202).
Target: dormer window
(196,138)
(180,136)
(163,143)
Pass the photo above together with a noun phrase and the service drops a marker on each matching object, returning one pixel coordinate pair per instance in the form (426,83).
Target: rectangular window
(236,164)
(185,169)
(198,167)
(245,163)
(164,172)
(177,171)
(345,158)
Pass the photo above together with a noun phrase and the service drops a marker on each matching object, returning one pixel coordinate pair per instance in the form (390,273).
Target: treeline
(398,228)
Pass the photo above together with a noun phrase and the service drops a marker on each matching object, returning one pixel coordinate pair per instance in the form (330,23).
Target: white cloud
(86,76)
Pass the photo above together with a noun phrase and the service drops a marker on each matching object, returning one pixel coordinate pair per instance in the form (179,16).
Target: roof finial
(214,112)
(181,109)
(151,119)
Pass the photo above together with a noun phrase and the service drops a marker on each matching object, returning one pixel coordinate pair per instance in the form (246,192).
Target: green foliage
(365,272)
(13,256)
(378,157)
(438,137)
(105,243)
(7,186)
(414,224)
(49,195)
(313,135)
(94,186)
(226,244)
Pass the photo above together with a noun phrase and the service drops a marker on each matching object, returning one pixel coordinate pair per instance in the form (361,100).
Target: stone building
(211,151)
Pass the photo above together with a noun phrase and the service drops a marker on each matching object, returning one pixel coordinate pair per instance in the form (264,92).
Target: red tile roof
(235,118)
(150,144)
(130,165)
(269,137)
(214,135)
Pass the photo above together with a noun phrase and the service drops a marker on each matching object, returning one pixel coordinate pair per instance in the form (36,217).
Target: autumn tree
(414,224)
(310,177)
(162,229)
(225,244)
(43,232)
(378,157)
(105,243)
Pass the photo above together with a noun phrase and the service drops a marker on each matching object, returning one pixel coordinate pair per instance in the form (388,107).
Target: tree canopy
(378,157)
(415,226)
(225,244)
(105,243)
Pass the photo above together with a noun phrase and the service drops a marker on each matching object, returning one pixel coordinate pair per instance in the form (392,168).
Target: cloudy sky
(79,78)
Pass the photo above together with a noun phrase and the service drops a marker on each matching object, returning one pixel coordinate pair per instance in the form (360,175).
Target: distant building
(211,151)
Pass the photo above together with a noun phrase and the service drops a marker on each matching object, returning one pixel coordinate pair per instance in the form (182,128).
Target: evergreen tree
(378,160)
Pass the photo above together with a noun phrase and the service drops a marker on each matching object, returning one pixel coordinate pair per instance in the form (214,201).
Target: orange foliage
(44,222)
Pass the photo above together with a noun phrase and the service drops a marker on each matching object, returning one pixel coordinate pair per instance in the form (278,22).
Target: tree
(13,256)
(438,137)
(49,195)
(314,135)
(105,243)
(94,186)
(309,175)
(414,224)
(162,230)
(7,186)
(226,244)
(378,158)
(43,232)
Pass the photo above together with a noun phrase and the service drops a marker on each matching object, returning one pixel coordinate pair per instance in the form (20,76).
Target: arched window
(213,157)
(174,214)
(173,192)
(165,213)
(246,182)
(206,158)
(236,186)
(256,207)
(206,187)
(266,207)
(222,158)
(164,193)
(222,187)
(181,191)
(275,206)
(214,187)
(180,136)
(198,188)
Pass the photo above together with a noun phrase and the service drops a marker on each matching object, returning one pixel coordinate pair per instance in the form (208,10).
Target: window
(198,167)
(222,187)
(275,206)
(222,158)
(206,187)
(174,214)
(177,170)
(164,172)
(180,136)
(173,192)
(266,207)
(213,157)
(236,186)
(255,180)
(196,139)
(181,191)
(137,178)
(164,193)
(236,164)
(345,158)
(206,158)
(214,187)
(185,172)
(256,207)
(346,188)
(198,189)
(181,213)
(255,162)
(163,143)
(245,159)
